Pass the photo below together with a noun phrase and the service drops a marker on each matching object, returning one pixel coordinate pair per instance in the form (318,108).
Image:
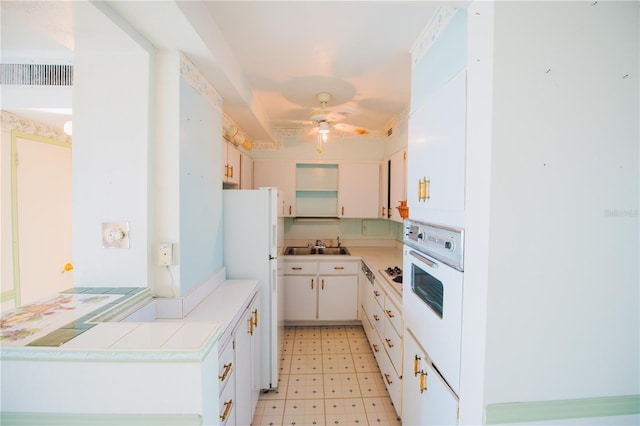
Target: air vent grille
(36,74)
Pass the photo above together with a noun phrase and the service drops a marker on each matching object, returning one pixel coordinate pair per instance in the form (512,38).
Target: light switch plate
(115,234)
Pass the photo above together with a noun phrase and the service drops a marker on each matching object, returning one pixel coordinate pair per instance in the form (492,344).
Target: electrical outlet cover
(115,234)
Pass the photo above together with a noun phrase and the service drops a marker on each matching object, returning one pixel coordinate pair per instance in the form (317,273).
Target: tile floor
(329,376)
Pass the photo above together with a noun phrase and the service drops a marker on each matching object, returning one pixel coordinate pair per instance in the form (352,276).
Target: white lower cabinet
(321,290)
(382,323)
(239,367)
(427,400)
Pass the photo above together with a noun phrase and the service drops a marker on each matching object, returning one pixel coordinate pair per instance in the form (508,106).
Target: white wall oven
(432,294)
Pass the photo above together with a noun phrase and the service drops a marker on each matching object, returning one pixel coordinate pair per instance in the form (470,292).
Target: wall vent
(36,74)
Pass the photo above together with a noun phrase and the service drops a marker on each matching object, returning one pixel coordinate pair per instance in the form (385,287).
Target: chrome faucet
(319,243)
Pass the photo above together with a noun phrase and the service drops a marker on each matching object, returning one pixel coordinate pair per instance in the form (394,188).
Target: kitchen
(504,331)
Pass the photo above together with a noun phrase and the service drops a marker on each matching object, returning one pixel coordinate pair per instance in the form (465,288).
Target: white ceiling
(268,59)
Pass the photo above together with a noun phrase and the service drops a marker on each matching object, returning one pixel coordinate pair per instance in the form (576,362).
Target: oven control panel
(441,242)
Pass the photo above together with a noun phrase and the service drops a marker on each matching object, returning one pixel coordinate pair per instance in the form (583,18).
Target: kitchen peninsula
(87,356)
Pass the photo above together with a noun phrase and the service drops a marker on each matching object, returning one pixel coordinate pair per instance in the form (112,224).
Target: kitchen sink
(297,251)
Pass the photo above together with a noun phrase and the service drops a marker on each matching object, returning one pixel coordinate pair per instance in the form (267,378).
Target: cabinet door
(436,155)
(383,197)
(300,297)
(338,297)
(426,399)
(397,183)
(231,167)
(358,189)
(282,175)
(246,172)
(243,340)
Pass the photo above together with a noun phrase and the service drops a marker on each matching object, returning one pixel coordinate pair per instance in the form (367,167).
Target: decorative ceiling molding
(13,122)
(194,77)
(431,33)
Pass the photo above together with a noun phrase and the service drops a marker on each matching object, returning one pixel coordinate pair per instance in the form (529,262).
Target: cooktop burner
(395,273)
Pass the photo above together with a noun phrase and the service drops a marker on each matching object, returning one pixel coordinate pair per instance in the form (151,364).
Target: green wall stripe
(60,419)
(518,412)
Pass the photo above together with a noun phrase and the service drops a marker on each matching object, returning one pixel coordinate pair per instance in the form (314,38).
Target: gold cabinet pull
(376,293)
(386,377)
(225,373)
(375,348)
(389,313)
(423,381)
(342,210)
(312,284)
(423,189)
(231,171)
(322,284)
(375,317)
(250,321)
(226,170)
(227,408)
(255,317)
(383,209)
(338,268)
(389,343)
(297,268)
(416,364)
(289,210)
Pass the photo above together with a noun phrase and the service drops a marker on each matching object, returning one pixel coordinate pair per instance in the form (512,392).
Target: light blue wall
(200,188)
(446,57)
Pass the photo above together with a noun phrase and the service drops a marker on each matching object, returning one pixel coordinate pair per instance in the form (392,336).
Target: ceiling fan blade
(352,129)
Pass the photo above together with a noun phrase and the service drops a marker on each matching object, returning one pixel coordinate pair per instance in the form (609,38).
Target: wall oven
(432,293)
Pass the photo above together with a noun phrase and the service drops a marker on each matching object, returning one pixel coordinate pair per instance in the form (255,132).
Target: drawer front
(393,345)
(225,365)
(227,407)
(338,268)
(376,317)
(392,382)
(394,314)
(300,268)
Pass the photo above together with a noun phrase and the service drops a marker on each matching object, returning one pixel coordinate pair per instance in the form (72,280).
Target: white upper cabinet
(397,165)
(436,156)
(231,164)
(358,189)
(282,175)
(246,172)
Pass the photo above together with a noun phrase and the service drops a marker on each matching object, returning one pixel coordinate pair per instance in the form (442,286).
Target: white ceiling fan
(325,120)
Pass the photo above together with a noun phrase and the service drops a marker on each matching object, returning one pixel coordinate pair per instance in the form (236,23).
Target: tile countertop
(378,259)
(188,339)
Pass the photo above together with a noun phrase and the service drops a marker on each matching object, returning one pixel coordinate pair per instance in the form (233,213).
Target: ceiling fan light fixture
(323,127)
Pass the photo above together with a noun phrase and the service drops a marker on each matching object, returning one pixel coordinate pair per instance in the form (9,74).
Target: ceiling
(268,59)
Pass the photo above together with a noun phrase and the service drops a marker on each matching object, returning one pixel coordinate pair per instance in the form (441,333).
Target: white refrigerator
(253,237)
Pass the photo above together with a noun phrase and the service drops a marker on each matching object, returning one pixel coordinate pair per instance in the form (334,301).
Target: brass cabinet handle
(227,408)
(226,170)
(338,268)
(312,284)
(250,321)
(231,168)
(297,268)
(389,343)
(375,317)
(375,348)
(423,189)
(342,210)
(416,364)
(376,293)
(386,377)
(383,209)
(389,313)
(289,210)
(423,381)
(322,284)
(255,317)
(225,373)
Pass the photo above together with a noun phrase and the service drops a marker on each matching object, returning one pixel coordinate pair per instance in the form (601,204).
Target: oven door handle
(423,259)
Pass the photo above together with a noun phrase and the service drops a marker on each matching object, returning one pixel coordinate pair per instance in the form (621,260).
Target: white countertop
(187,339)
